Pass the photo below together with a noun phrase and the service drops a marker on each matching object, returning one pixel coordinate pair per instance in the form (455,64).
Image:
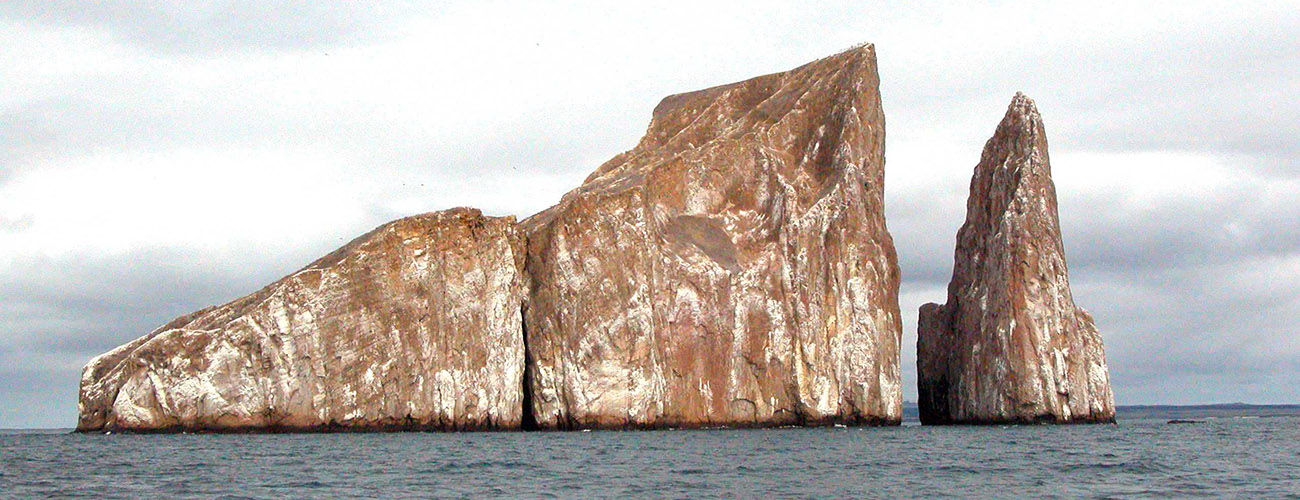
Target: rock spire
(1010,346)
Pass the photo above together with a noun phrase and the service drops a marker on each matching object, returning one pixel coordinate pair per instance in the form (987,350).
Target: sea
(1232,457)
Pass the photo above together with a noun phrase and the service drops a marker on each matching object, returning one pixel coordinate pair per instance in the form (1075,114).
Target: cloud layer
(157,159)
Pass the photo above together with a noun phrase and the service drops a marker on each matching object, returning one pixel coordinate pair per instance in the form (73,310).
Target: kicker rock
(1010,346)
(733,269)
(416,325)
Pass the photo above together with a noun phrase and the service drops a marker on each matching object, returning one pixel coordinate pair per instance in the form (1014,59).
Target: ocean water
(1230,457)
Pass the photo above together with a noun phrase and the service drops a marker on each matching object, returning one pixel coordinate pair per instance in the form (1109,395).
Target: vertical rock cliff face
(416,325)
(1010,346)
(734,268)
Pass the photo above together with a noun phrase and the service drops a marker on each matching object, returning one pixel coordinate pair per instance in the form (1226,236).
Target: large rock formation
(415,325)
(1010,346)
(732,269)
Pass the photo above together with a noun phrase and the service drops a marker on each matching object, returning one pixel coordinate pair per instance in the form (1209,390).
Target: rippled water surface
(1222,457)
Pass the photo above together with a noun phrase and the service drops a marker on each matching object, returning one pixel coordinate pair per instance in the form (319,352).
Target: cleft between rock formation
(733,269)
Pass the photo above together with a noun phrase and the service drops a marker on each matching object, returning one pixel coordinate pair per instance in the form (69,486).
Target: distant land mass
(911,412)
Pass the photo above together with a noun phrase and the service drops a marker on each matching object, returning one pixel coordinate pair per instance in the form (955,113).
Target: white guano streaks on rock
(415,325)
(735,265)
(1010,345)
(732,269)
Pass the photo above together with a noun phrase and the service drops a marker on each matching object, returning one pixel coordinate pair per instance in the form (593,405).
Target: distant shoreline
(1215,410)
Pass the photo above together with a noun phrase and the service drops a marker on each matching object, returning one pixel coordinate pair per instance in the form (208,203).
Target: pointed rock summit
(732,269)
(1010,346)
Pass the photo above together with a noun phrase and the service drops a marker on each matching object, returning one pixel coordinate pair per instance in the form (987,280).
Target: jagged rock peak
(415,325)
(1022,105)
(1023,126)
(1010,345)
(733,268)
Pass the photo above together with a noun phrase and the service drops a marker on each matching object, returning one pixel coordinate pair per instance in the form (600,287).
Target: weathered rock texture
(1010,346)
(732,269)
(416,325)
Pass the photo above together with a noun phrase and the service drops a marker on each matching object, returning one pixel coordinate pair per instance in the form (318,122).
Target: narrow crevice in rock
(528,420)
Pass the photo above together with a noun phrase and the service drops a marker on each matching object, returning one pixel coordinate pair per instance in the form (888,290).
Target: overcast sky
(157,159)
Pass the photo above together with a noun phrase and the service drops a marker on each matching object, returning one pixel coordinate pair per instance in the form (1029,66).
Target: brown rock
(732,269)
(1010,346)
(415,325)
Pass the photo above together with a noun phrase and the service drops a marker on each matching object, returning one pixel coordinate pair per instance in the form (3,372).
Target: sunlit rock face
(733,268)
(1010,346)
(416,325)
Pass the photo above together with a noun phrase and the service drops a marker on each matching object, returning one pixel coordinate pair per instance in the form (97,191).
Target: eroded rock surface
(734,268)
(415,325)
(1010,346)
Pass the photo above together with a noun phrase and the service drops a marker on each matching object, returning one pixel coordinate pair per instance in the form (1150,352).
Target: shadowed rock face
(733,268)
(415,325)
(1010,346)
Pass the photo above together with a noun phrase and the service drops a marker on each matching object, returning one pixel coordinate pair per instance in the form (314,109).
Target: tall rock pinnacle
(1010,346)
(732,269)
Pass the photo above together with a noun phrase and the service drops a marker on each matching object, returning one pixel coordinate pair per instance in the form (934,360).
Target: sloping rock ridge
(1010,346)
(415,325)
(733,269)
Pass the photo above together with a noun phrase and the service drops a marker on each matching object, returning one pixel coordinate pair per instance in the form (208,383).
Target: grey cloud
(139,114)
(72,125)
(14,224)
(101,301)
(1105,232)
(1186,290)
(133,113)
(1223,93)
(924,225)
(1185,312)
(1213,88)
(57,313)
(189,27)
(1215,323)
(37,398)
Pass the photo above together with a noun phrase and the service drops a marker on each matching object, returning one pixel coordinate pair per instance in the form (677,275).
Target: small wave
(310,485)
(1142,466)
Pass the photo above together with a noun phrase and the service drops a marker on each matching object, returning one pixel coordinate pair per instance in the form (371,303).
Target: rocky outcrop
(733,268)
(1010,346)
(416,325)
